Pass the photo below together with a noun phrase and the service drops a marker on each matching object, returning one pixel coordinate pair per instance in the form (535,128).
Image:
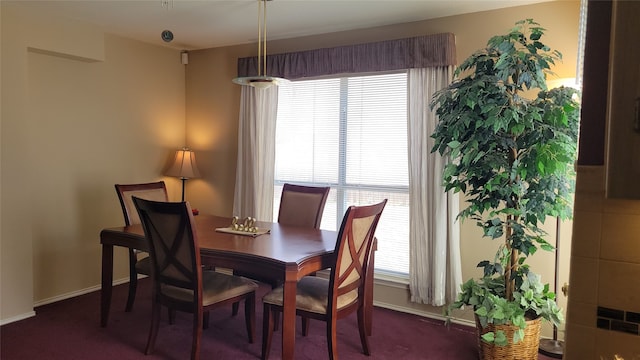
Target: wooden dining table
(285,253)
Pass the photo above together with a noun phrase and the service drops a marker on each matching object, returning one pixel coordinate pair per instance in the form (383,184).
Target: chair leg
(267,330)
(362,327)
(276,322)
(234,308)
(236,305)
(197,334)
(205,320)
(172,315)
(332,338)
(276,319)
(305,326)
(250,316)
(153,331)
(133,281)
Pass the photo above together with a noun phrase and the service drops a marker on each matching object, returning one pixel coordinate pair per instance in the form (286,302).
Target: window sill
(395,280)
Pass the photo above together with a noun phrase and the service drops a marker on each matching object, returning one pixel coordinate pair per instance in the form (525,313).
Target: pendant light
(261,81)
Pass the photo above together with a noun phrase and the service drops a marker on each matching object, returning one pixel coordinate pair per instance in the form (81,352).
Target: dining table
(284,253)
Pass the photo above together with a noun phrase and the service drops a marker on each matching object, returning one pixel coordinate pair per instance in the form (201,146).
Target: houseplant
(513,157)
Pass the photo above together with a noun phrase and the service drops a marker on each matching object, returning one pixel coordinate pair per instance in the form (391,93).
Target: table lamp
(184,166)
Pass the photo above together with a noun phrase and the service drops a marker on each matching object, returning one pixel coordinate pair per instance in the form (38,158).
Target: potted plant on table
(513,158)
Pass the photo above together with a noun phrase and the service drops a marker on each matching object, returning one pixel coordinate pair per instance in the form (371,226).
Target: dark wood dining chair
(139,262)
(302,205)
(343,293)
(179,282)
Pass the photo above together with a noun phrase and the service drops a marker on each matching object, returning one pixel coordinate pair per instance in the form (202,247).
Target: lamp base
(551,348)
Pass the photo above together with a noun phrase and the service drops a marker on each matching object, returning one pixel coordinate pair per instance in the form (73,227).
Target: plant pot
(526,349)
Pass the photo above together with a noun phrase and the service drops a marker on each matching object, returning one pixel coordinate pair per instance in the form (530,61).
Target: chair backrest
(156,191)
(302,205)
(173,246)
(353,248)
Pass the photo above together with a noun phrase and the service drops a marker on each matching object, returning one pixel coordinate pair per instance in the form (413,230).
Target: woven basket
(525,349)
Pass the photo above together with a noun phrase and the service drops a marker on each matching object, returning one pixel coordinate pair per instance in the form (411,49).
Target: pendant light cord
(261,80)
(259,36)
(262,37)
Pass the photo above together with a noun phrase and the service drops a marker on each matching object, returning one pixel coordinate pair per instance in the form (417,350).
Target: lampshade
(184,165)
(261,81)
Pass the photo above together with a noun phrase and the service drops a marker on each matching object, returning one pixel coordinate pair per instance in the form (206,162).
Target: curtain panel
(409,53)
(435,272)
(256,153)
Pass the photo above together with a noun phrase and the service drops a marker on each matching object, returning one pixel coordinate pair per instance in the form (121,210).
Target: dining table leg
(107,283)
(289,317)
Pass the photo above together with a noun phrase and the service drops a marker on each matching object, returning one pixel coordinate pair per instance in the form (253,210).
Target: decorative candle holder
(247,225)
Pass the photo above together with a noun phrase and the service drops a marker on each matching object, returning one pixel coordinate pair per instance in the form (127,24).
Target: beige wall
(81,111)
(213,103)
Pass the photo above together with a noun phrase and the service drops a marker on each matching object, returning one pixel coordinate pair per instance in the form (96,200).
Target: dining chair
(343,292)
(179,281)
(301,206)
(139,262)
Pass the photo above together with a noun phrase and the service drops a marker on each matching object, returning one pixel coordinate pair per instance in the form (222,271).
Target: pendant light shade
(261,81)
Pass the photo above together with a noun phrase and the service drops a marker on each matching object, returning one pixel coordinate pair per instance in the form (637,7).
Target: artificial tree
(513,157)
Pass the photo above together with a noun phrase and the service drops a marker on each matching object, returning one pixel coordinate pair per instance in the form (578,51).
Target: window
(350,133)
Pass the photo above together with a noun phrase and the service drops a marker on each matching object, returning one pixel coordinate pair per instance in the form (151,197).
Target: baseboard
(17,318)
(396,282)
(423,313)
(61,297)
(72,294)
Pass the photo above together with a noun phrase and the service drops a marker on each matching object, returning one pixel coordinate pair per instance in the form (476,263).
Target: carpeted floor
(70,330)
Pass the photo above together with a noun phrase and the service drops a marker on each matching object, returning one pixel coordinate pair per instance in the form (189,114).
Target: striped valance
(415,52)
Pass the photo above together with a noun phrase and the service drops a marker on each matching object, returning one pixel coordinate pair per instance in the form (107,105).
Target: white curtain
(256,153)
(435,273)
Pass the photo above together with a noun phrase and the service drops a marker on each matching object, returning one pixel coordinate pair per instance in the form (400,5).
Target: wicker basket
(525,349)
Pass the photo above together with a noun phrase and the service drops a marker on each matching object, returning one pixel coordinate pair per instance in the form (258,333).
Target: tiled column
(604,290)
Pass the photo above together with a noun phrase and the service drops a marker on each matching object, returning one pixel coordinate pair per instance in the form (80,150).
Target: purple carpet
(70,329)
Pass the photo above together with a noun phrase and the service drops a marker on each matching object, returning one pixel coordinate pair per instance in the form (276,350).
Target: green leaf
(488,337)
(518,336)
(547,247)
(500,338)
(481,311)
(498,314)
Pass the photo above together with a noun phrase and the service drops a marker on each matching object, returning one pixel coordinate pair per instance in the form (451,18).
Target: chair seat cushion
(312,295)
(143,266)
(216,287)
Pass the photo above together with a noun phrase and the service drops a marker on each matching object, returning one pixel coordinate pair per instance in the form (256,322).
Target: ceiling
(198,24)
